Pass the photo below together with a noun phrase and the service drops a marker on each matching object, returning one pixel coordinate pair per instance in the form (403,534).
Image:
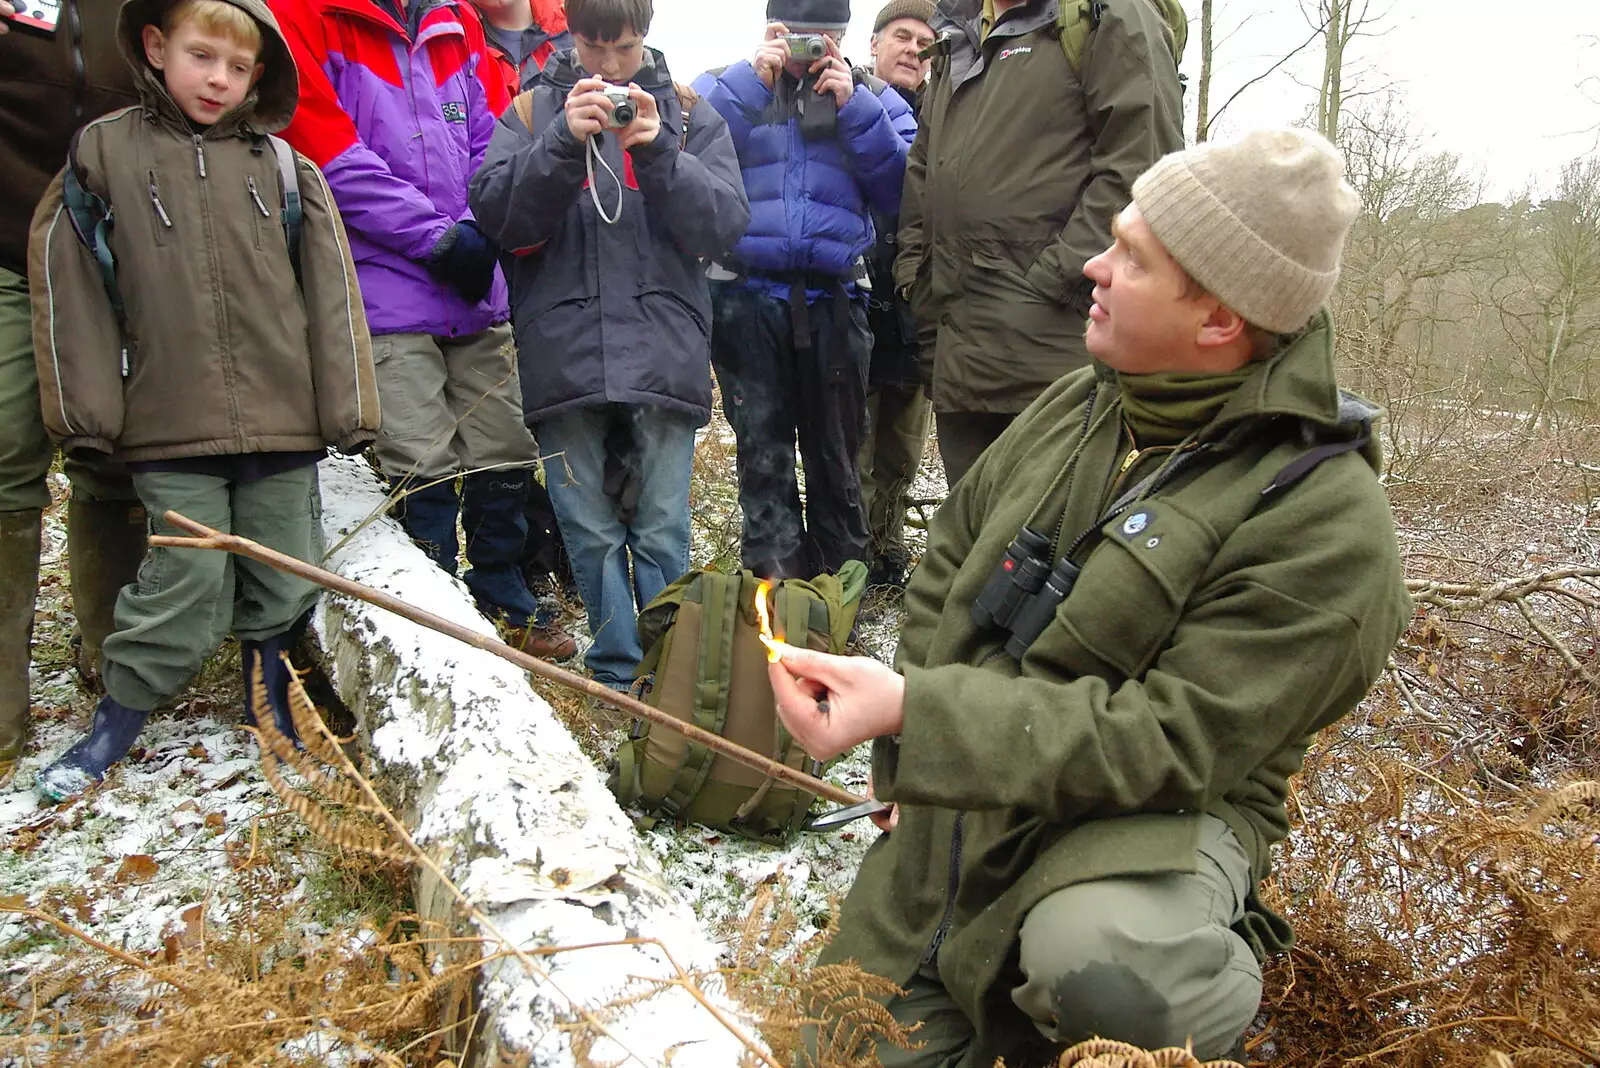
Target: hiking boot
(105,545)
(547,642)
(887,570)
(274,677)
(19,582)
(114,730)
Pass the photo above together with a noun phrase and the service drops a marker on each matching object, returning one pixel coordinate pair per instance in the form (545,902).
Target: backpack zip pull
(255,195)
(155,198)
(199,156)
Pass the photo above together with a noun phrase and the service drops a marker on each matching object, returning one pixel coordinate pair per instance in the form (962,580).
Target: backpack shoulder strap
(91,220)
(1077,19)
(290,212)
(523,106)
(1356,415)
(720,597)
(687,99)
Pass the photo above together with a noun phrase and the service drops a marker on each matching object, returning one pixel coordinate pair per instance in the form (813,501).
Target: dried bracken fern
(1104,1053)
(1432,949)
(366,992)
(830,1016)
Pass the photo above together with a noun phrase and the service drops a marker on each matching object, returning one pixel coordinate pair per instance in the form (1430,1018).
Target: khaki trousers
(1149,960)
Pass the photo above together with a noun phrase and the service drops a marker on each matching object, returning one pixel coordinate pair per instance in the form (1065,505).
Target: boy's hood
(271,103)
(563,71)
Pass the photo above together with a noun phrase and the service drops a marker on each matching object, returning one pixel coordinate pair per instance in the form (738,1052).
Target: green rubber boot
(19,582)
(105,545)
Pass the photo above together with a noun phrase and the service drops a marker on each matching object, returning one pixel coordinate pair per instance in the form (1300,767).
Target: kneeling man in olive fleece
(1133,615)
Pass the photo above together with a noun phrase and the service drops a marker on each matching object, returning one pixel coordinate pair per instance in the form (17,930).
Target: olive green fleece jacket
(226,352)
(1211,634)
(1019,166)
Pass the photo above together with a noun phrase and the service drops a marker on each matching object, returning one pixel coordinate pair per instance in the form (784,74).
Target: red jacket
(547,36)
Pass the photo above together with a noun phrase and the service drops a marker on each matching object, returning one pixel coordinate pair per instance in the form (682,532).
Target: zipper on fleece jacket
(155,200)
(931,954)
(255,195)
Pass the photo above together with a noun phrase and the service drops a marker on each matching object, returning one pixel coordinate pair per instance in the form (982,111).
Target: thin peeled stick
(207,538)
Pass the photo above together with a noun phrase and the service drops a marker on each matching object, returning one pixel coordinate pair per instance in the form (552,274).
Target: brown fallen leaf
(216,821)
(136,868)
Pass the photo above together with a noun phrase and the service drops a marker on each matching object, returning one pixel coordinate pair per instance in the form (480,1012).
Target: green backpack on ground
(709,668)
(1076,19)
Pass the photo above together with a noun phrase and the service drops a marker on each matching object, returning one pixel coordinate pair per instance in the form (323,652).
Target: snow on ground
(128,862)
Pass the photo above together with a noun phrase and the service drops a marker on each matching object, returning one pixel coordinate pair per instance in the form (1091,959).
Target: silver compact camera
(624,111)
(806,45)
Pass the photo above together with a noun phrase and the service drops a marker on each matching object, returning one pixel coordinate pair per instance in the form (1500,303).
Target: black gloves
(464,259)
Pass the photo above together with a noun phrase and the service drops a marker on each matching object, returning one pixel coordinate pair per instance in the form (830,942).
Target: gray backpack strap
(290,213)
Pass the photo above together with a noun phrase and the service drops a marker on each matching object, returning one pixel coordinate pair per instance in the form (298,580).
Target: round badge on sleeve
(1135,523)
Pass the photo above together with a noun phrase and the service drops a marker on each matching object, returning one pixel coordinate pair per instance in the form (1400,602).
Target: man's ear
(873,54)
(155,47)
(1221,326)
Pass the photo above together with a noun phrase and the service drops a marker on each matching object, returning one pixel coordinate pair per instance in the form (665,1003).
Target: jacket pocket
(1131,594)
(673,304)
(1005,279)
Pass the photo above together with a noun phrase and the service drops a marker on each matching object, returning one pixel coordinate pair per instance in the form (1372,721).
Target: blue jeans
(642,513)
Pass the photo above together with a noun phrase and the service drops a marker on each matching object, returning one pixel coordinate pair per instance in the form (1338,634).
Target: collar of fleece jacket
(271,102)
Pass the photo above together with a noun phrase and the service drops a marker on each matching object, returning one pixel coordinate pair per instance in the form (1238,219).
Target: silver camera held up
(806,45)
(624,111)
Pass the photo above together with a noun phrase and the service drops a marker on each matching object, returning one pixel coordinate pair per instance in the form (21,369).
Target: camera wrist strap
(590,156)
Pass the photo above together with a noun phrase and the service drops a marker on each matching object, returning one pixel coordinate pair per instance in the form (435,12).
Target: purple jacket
(398,115)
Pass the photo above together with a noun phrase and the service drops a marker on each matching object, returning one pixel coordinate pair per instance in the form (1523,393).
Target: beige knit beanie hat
(921,10)
(1260,222)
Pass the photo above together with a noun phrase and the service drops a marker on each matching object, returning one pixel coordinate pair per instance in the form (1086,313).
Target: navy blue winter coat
(611,313)
(810,200)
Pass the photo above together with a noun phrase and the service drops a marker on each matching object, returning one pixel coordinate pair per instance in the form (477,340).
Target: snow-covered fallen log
(496,790)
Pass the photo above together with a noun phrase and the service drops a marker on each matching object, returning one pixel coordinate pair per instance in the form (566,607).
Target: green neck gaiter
(1165,408)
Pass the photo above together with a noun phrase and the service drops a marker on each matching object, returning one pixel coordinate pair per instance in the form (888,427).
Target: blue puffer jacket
(810,200)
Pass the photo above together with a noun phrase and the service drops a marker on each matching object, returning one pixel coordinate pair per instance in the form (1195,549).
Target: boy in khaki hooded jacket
(231,367)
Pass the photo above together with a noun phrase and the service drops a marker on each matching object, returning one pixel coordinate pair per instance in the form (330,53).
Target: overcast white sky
(1499,81)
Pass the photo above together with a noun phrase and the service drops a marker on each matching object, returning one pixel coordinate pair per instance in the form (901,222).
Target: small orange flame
(774,646)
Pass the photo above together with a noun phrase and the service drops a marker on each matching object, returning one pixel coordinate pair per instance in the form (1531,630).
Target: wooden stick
(207,538)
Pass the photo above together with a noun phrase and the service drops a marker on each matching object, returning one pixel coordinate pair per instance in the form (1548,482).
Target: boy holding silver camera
(607,182)
(819,150)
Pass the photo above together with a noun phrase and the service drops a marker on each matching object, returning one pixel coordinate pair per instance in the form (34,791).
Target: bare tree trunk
(1202,122)
(1335,15)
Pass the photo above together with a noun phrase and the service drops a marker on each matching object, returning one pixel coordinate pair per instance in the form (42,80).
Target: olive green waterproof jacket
(1019,166)
(223,352)
(1211,634)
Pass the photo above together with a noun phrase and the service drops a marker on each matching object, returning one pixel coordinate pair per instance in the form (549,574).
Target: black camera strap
(1027,619)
